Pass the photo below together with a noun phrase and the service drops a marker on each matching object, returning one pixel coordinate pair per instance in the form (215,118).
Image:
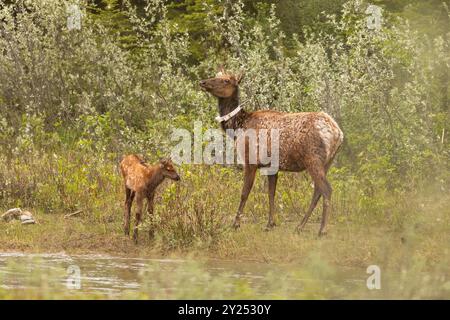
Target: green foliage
(111,14)
(190,16)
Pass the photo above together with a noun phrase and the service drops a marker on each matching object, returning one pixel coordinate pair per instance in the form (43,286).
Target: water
(111,276)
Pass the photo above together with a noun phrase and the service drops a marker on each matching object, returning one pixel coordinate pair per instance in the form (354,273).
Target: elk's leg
(314,201)
(326,207)
(318,173)
(129,197)
(272,179)
(150,199)
(139,205)
(249,178)
(312,206)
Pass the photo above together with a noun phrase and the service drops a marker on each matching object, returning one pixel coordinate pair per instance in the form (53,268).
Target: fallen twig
(73,214)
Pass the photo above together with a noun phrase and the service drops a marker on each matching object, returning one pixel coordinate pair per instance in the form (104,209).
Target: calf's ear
(239,77)
(164,161)
(220,71)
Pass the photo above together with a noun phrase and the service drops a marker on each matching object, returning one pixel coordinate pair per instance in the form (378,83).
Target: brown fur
(141,181)
(307,141)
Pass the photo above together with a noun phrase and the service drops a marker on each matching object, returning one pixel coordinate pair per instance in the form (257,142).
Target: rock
(25,217)
(27,213)
(12,214)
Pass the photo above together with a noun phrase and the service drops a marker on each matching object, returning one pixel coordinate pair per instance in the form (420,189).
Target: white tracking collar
(230,115)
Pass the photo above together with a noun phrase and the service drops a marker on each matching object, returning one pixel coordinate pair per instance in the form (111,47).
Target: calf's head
(168,170)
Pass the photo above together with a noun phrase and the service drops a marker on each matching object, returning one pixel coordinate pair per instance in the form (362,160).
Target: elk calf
(141,181)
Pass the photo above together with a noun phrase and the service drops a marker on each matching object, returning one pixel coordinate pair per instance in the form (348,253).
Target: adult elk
(141,181)
(307,141)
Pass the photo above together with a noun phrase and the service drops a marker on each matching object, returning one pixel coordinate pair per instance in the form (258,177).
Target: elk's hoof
(270,226)
(299,228)
(322,233)
(236,225)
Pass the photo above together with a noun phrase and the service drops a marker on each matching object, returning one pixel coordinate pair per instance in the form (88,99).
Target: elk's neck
(155,179)
(227,105)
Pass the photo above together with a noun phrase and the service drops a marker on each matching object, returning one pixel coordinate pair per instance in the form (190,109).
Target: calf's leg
(129,197)
(139,205)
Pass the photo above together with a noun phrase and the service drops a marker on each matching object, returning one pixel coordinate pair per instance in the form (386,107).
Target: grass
(346,245)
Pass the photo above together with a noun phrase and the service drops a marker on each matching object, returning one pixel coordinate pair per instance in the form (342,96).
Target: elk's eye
(226,81)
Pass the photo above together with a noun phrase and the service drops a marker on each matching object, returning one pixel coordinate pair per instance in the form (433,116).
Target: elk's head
(168,170)
(223,85)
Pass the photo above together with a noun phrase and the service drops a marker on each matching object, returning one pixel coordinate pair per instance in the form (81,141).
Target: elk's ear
(220,71)
(239,77)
